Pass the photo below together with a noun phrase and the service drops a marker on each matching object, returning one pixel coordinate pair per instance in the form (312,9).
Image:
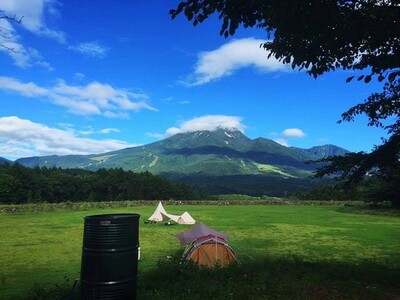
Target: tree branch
(12,19)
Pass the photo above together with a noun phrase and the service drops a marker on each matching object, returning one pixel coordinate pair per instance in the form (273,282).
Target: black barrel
(110,257)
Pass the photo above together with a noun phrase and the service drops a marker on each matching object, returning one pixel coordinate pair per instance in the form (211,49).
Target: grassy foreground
(284,251)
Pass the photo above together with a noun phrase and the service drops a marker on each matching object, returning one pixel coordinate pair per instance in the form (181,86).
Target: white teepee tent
(186,219)
(160,214)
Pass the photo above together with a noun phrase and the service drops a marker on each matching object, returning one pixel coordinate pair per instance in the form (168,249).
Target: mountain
(4,160)
(201,156)
(214,153)
(324,151)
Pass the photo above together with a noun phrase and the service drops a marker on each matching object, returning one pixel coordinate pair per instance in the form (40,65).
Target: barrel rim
(112,216)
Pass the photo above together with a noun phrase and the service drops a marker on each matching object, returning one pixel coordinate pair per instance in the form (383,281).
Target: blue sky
(95,76)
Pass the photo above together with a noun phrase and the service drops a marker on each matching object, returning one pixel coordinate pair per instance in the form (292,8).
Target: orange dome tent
(206,246)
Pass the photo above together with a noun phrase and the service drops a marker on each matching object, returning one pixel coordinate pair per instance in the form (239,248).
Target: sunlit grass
(272,169)
(45,247)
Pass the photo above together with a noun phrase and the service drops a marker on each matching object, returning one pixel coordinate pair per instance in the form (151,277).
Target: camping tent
(186,218)
(160,214)
(209,251)
(206,246)
(198,231)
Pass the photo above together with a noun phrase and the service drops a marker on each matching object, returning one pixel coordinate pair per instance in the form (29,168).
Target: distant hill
(325,151)
(196,157)
(4,160)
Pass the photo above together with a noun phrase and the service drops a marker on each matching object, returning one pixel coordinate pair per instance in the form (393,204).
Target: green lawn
(45,247)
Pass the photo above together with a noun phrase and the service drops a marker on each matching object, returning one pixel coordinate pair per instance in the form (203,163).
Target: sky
(86,77)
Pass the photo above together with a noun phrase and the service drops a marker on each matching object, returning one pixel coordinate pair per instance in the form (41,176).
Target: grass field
(45,247)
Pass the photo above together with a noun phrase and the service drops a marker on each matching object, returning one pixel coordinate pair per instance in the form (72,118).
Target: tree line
(19,184)
(373,189)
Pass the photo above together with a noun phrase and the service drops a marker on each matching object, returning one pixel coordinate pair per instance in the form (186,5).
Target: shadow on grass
(61,291)
(380,209)
(270,278)
(261,278)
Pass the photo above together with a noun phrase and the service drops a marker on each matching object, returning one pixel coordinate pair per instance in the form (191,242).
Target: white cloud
(21,138)
(171,100)
(92,99)
(242,53)
(293,133)
(44,65)
(29,89)
(23,57)
(93,49)
(208,122)
(79,76)
(109,130)
(33,13)
(282,141)
(87,130)
(286,134)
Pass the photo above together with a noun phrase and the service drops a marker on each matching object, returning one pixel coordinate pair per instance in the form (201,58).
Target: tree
(322,36)
(10,188)
(6,33)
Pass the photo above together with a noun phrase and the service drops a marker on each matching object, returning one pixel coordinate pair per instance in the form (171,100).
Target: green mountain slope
(202,156)
(216,153)
(203,152)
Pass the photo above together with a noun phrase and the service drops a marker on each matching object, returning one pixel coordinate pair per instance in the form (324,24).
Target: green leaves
(329,35)
(367,78)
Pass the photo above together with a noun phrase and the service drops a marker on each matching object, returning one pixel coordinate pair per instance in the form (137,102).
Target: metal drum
(110,257)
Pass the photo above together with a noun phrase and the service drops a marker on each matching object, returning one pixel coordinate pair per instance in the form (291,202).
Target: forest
(19,184)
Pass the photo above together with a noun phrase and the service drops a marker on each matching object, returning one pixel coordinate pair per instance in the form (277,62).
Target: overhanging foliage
(323,36)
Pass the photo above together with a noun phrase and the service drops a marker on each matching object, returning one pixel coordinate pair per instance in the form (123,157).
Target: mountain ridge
(324,151)
(4,160)
(219,152)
